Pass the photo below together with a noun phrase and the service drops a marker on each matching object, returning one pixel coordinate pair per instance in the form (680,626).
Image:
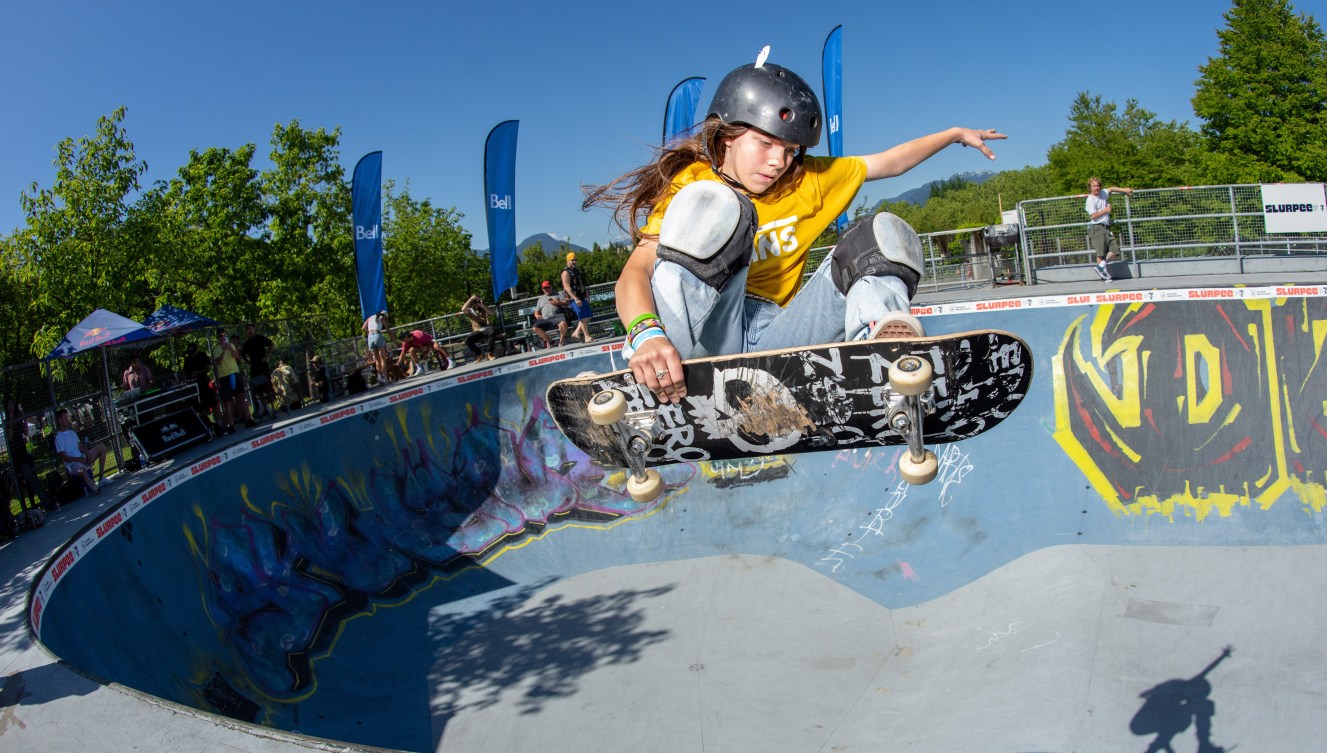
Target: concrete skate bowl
(1132,559)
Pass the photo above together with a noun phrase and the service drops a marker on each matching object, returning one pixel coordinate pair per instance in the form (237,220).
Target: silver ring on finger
(660,375)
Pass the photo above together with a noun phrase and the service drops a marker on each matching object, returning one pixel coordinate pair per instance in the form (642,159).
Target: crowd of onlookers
(237,385)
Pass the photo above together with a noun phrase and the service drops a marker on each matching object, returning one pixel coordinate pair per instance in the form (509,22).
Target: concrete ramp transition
(1132,561)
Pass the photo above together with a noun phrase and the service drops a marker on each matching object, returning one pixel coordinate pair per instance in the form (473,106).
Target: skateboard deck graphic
(809,399)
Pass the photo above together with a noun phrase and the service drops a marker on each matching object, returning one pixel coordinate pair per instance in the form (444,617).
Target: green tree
(211,256)
(1263,99)
(1124,148)
(429,266)
(311,267)
(74,256)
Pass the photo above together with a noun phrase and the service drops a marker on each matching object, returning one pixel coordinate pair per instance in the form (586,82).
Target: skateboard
(838,396)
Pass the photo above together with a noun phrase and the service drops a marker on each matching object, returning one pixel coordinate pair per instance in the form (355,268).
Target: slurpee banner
(831,62)
(366,212)
(680,114)
(500,205)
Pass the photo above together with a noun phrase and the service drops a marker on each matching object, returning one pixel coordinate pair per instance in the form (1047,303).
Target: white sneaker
(897,325)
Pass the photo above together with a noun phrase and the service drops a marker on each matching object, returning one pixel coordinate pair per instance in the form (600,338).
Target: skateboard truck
(910,378)
(634,434)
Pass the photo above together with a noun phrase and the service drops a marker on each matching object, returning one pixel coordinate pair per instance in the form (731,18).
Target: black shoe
(250,424)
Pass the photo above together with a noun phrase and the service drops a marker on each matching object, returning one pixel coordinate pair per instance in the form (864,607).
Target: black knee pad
(709,230)
(858,254)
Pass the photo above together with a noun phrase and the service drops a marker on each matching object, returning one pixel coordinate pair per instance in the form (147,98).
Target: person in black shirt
(573,284)
(198,367)
(29,488)
(255,352)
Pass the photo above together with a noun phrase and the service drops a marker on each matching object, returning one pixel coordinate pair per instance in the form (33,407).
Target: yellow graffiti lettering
(1204,360)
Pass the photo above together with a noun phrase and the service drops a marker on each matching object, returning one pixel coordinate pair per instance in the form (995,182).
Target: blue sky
(426,81)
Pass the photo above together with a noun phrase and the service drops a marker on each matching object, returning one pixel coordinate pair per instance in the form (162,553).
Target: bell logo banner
(831,62)
(500,204)
(366,213)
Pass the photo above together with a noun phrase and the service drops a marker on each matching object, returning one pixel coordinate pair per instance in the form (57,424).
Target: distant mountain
(550,244)
(920,194)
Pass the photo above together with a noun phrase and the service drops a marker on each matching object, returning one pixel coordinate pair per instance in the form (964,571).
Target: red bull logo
(94,336)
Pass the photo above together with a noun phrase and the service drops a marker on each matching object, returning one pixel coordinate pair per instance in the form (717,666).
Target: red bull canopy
(100,329)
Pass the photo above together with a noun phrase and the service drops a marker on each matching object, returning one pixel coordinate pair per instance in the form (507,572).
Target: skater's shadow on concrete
(1169,708)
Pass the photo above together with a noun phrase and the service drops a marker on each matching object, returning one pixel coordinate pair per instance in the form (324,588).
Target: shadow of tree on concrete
(529,650)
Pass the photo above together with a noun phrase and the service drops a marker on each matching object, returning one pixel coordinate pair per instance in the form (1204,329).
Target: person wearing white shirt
(77,455)
(1099,237)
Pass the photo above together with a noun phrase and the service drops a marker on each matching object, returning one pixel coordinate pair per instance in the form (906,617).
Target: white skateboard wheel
(587,374)
(607,407)
(646,489)
(910,375)
(918,473)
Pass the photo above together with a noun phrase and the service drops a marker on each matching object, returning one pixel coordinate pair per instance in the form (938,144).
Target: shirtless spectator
(481,326)
(77,455)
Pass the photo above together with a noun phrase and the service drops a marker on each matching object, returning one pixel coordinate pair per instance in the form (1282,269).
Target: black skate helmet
(771,98)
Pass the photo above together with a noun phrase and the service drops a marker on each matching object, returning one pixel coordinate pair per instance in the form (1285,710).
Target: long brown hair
(634,195)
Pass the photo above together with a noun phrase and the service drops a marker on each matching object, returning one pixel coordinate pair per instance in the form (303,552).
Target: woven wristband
(642,318)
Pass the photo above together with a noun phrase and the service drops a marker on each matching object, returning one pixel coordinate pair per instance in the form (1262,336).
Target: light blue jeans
(702,321)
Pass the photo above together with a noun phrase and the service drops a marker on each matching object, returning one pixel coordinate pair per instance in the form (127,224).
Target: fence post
(1234,221)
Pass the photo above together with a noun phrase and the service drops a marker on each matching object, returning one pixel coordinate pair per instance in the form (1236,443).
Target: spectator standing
(1100,237)
(256,350)
(573,286)
(198,367)
(286,385)
(375,342)
(27,487)
(230,393)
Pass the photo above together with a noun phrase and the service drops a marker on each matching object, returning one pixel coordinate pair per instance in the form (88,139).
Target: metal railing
(953,260)
(1160,225)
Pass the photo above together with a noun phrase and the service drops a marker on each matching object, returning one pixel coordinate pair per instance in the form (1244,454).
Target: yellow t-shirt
(788,225)
(227,364)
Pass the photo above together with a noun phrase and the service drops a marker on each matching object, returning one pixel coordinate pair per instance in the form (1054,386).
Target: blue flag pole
(366,212)
(832,75)
(500,204)
(680,112)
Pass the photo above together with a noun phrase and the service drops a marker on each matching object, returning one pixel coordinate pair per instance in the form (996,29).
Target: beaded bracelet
(647,324)
(643,317)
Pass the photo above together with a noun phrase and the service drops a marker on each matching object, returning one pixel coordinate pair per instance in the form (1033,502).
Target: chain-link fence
(1159,226)
(956,259)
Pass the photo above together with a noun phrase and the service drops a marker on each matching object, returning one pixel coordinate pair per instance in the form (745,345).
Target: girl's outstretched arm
(902,158)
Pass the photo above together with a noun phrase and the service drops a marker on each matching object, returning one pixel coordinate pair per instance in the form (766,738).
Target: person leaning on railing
(1102,240)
